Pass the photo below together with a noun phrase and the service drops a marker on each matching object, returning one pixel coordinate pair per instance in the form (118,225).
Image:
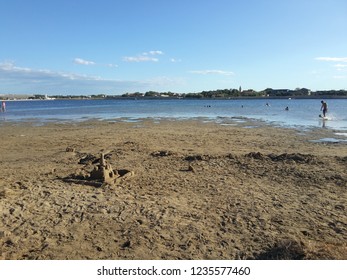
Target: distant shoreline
(268,93)
(174,98)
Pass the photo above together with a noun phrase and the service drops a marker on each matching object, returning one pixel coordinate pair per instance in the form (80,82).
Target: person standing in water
(324,107)
(3,106)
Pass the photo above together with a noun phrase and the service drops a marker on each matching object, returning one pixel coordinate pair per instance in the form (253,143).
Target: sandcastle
(102,174)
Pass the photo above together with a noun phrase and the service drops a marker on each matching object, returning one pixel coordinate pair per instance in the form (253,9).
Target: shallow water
(302,113)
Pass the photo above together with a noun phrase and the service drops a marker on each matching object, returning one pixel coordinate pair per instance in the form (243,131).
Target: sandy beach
(184,190)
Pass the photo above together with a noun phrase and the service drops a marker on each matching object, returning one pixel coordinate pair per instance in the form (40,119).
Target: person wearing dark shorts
(324,107)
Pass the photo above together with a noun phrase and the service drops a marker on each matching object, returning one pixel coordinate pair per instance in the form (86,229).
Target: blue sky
(119,46)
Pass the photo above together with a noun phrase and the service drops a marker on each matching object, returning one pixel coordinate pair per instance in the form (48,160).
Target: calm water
(302,113)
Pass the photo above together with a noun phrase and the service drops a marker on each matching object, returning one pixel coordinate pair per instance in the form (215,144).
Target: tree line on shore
(239,93)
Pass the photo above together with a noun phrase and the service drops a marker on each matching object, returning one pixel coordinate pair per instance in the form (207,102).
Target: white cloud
(22,80)
(153,53)
(8,71)
(163,81)
(112,65)
(333,59)
(340,77)
(17,79)
(175,60)
(140,58)
(208,72)
(83,62)
(144,57)
(340,67)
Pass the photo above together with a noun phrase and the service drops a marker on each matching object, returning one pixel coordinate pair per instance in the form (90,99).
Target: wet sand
(195,190)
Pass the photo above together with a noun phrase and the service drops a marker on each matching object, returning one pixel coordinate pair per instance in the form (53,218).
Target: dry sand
(198,191)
